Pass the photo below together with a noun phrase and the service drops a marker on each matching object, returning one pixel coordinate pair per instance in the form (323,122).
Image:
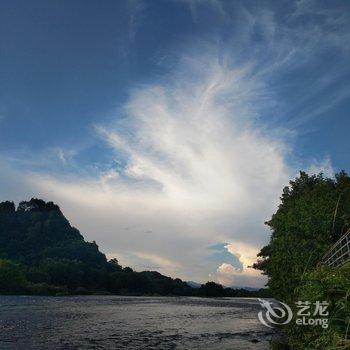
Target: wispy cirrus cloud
(136,9)
(204,151)
(198,171)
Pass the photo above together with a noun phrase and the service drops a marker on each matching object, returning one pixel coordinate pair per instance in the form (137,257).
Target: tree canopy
(314,213)
(40,249)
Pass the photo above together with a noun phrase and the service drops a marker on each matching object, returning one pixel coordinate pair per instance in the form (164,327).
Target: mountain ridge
(41,253)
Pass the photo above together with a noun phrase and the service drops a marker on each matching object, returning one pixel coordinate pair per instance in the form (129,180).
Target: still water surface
(113,322)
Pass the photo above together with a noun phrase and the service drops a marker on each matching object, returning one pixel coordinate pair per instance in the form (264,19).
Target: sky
(166,130)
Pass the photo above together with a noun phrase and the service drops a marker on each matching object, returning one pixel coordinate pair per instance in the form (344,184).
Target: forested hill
(42,253)
(38,231)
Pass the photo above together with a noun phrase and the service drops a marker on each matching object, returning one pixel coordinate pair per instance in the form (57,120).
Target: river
(115,322)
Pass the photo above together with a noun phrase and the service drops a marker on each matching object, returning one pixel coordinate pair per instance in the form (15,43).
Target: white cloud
(228,275)
(215,5)
(203,164)
(245,252)
(199,170)
(135,9)
(321,166)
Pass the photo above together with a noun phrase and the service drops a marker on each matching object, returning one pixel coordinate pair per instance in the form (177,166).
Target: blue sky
(172,123)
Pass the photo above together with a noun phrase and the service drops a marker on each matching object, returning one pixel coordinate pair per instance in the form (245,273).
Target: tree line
(41,253)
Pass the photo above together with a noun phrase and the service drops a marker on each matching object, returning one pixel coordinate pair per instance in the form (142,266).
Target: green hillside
(42,253)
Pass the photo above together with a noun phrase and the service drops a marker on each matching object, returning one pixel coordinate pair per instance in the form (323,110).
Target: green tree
(314,212)
(56,258)
(211,289)
(12,278)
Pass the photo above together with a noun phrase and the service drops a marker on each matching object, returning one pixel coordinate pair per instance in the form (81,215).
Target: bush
(333,286)
(12,278)
(46,289)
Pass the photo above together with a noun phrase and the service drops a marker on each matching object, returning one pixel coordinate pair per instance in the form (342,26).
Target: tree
(314,212)
(12,278)
(54,257)
(211,289)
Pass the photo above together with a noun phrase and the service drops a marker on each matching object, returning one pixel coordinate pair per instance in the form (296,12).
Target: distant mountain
(252,289)
(193,284)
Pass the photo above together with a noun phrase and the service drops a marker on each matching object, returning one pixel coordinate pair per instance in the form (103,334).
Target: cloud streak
(201,162)
(198,171)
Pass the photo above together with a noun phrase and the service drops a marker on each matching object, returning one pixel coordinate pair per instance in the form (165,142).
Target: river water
(114,322)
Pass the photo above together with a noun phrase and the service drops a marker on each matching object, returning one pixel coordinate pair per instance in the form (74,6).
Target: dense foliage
(332,285)
(41,253)
(313,214)
(212,289)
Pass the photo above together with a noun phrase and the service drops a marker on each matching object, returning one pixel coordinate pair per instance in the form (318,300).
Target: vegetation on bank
(313,214)
(332,285)
(42,254)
